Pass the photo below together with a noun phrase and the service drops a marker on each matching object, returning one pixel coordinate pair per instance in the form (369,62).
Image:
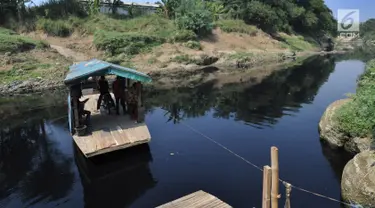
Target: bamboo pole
(266,187)
(275,177)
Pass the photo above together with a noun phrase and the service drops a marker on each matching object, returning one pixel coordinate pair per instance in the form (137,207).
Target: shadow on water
(30,161)
(116,179)
(257,103)
(337,159)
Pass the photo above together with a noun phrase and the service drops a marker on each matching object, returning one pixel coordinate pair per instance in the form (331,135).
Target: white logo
(348,20)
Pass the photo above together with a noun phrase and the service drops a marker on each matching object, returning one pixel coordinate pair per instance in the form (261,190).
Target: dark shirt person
(118,88)
(133,102)
(103,87)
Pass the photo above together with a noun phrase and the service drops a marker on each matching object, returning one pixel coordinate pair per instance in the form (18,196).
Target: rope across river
(260,169)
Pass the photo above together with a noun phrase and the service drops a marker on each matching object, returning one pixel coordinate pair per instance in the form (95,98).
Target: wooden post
(75,111)
(275,177)
(266,187)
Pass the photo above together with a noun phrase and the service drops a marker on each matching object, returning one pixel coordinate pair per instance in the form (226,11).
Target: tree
(216,9)
(168,7)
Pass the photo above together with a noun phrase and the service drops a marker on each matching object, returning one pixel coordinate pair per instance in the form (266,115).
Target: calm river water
(39,165)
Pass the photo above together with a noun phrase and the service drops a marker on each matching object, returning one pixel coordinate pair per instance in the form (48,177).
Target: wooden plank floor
(108,133)
(197,199)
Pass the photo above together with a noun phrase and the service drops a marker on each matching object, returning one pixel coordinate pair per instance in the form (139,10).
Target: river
(38,161)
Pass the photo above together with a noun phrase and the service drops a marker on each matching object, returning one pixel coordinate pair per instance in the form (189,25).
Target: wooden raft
(195,200)
(109,133)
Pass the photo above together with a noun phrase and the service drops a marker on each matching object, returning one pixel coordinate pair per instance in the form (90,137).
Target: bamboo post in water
(266,201)
(275,177)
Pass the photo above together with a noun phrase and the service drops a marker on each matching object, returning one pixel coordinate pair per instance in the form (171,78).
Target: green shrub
(262,15)
(192,15)
(55,27)
(193,45)
(14,43)
(236,26)
(127,43)
(357,118)
(182,36)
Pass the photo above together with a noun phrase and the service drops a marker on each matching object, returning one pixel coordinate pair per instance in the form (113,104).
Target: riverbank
(256,66)
(231,47)
(349,124)
(352,120)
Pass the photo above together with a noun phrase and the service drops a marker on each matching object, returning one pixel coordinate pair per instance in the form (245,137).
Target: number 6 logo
(348,20)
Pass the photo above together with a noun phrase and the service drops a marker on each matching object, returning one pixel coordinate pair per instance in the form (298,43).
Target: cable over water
(259,168)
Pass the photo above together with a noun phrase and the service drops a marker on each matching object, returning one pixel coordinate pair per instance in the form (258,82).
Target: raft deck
(109,133)
(195,200)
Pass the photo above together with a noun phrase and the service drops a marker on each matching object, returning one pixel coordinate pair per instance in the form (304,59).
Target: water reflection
(259,104)
(32,165)
(337,159)
(115,179)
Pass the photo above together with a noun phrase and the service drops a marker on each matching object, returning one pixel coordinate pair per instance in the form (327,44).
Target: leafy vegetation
(356,118)
(193,15)
(12,42)
(231,25)
(182,36)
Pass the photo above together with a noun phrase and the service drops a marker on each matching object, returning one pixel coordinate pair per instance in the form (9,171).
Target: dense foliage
(311,17)
(285,15)
(367,33)
(357,118)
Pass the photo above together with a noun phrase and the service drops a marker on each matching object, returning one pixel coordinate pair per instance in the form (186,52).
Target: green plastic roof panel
(94,67)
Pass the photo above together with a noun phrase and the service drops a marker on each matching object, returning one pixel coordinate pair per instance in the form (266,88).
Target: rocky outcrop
(358,179)
(330,133)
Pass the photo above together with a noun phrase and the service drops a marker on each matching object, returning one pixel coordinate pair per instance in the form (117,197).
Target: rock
(358,179)
(358,144)
(330,133)
(328,129)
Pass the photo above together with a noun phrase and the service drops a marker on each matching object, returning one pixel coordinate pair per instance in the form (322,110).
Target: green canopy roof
(94,67)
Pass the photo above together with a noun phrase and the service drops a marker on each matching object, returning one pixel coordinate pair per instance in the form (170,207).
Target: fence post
(275,177)
(266,202)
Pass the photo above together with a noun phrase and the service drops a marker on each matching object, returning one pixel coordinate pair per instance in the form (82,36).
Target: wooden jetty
(110,132)
(199,199)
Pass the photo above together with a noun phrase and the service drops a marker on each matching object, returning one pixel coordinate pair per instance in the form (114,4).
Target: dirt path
(68,53)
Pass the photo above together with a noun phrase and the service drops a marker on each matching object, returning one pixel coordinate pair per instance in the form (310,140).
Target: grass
(356,118)
(237,26)
(116,36)
(193,45)
(12,42)
(129,43)
(182,59)
(60,28)
(296,42)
